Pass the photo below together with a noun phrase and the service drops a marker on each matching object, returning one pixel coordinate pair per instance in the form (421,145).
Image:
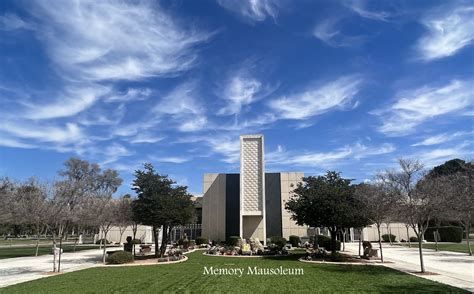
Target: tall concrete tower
(252,188)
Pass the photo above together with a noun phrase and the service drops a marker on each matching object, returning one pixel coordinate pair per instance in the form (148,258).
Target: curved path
(452,268)
(22,269)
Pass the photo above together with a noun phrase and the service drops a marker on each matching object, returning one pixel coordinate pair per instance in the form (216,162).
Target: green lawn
(455,247)
(188,277)
(20,251)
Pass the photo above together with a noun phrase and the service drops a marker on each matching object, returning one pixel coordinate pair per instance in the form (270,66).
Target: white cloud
(170,159)
(13,143)
(416,106)
(145,138)
(326,159)
(241,88)
(44,133)
(360,7)
(317,99)
(113,152)
(239,91)
(252,10)
(449,30)
(110,40)
(439,139)
(183,110)
(329,32)
(10,22)
(438,156)
(132,94)
(73,101)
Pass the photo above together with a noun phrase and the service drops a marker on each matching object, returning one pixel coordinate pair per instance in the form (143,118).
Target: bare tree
(460,187)
(31,199)
(123,214)
(7,190)
(378,205)
(418,195)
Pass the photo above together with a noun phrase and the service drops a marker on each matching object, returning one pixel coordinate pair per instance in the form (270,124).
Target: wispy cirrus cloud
(330,32)
(317,99)
(242,88)
(356,151)
(413,107)
(361,7)
(10,22)
(252,10)
(183,108)
(449,30)
(170,159)
(434,157)
(111,40)
(72,101)
(440,138)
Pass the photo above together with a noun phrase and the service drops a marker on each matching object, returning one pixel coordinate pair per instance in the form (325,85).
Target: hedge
(446,234)
(233,240)
(280,242)
(325,241)
(201,240)
(295,241)
(120,257)
(388,237)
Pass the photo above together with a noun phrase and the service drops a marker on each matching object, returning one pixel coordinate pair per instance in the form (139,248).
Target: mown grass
(188,277)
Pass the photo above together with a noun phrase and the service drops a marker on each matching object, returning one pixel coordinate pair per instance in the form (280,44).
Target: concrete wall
(252,187)
(288,184)
(398,229)
(214,207)
(144,233)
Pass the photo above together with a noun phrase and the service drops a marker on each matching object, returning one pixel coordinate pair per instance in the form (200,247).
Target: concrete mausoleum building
(250,204)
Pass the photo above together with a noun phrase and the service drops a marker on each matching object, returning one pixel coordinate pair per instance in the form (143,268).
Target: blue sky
(344,85)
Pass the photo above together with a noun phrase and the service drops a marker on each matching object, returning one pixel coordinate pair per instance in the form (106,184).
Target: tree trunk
(54,252)
(420,249)
(164,241)
(468,229)
(380,243)
(360,241)
(75,242)
(344,240)
(436,239)
(155,236)
(333,241)
(104,252)
(389,230)
(134,230)
(60,252)
(408,237)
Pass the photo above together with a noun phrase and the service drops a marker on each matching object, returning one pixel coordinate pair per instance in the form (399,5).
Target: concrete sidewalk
(22,269)
(453,268)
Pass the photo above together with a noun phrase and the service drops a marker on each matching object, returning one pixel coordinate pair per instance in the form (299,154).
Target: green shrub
(201,240)
(413,239)
(446,234)
(338,257)
(104,241)
(325,242)
(120,257)
(183,242)
(389,238)
(279,242)
(136,241)
(295,241)
(233,240)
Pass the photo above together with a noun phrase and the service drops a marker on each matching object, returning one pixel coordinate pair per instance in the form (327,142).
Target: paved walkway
(453,268)
(22,269)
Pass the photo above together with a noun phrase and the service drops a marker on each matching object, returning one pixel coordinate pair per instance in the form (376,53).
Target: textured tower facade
(252,188)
